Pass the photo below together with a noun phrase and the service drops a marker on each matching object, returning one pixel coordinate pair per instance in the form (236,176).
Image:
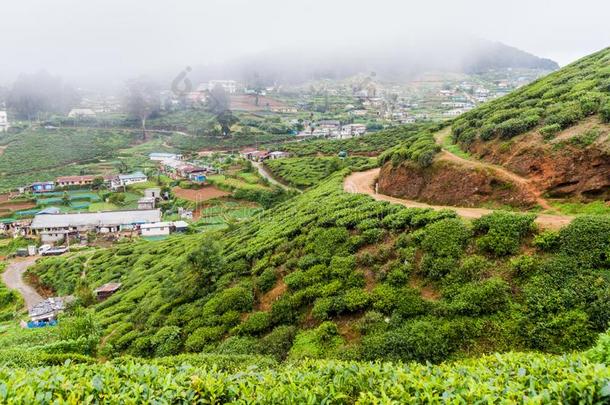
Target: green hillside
(550,105)
(330,274)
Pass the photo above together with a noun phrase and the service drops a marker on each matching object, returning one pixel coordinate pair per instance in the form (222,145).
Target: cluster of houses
(56,227)
(256,155)
(333,129)
(114,182)
(45,312)
(176,168)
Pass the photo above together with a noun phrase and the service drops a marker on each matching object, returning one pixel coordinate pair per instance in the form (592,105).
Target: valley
(350,239)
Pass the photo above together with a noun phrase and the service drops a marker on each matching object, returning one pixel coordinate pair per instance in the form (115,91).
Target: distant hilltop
(400,59)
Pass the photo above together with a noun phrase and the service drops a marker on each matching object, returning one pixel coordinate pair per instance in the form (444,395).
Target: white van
(42,249)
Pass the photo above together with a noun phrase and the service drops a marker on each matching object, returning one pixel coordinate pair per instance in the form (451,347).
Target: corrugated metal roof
(96,219)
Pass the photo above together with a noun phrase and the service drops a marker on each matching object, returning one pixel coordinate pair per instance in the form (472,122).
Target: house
(180,226)
(123,180)
(65,181)
(3,121)
(253,154)
(106,290)
(47,310)
(183,170)
(245,153)
(146,203)
(351,130)
(153,192)
(160,156)
(42,186)
(259,155)
(49,211)
(197,177)
(81,113)
(54,227)
(278,155)
(230,86)
(156,229)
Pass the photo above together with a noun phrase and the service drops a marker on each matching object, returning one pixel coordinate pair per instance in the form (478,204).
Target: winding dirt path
(13,278)
(265,174)
(501,171)
(363,183)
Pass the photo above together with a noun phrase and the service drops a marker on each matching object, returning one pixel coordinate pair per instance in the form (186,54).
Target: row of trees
(41,93)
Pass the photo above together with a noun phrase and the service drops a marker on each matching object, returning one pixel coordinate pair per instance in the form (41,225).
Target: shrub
(479,298)
(167,341)
(355,300)
(524,265)
(266,280)
(549,131)
(421,340)
(587,239)
(238,345)
(604,112)
(202,337)
(472,268)
(503,231)
(256,323)
(278,342)
(547,241)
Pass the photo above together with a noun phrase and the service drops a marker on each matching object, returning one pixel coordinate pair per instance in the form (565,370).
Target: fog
(102,43)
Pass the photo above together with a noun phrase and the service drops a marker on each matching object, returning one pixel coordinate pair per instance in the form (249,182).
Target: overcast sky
(81,39)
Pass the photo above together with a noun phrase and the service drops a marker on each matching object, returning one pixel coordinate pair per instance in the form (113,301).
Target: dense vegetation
(304,172)
(330,274)
(551,104)
(516,378)
(32,155)
(371,144)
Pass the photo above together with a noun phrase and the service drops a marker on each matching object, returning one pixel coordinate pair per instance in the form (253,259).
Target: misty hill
(555,130)
(392,60)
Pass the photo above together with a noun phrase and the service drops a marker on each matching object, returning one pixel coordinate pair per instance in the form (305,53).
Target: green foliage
(305,172)
(587,239)
(555,102)
(42,155)
(314,259)
(502,232)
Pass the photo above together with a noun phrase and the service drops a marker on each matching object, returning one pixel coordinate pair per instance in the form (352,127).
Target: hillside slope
(331,274)
(556,131)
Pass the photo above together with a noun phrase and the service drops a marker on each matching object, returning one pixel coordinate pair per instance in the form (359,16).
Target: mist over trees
(142,100)
(40,93)
(219,104)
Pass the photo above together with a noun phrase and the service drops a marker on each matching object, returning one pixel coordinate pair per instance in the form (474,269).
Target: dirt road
(499,170)
(265,174)
(13,278)
(363,183)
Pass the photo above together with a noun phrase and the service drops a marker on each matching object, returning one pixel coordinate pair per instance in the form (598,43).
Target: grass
(447,143)
(579,208)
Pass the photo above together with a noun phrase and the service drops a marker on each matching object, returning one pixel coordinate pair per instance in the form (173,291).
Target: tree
(33,94)
(205,264)
(219,105)
(97,183)
(142,100)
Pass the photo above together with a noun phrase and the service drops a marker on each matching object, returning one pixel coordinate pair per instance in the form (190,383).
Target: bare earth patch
(203,194)
(267,300)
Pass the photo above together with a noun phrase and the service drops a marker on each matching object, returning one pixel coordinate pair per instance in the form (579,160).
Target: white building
(81,113)
(146,203)
(230,86)
(54,227)
(123,180)
(351,130)
(160,156)
(3,121)
(156,229)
